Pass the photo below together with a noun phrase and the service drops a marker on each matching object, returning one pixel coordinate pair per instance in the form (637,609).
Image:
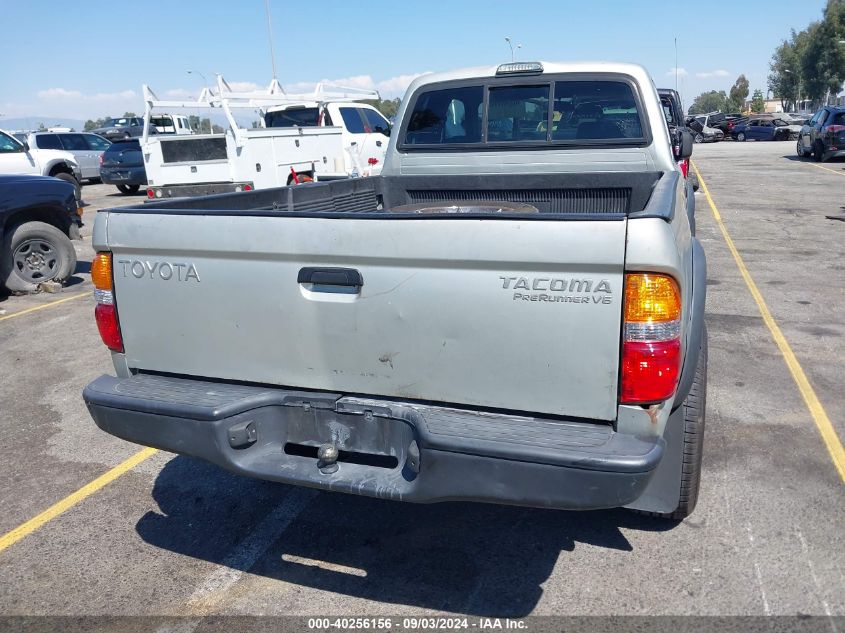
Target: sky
(89,59)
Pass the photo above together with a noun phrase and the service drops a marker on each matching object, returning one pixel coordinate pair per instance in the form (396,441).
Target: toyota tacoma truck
(512,312)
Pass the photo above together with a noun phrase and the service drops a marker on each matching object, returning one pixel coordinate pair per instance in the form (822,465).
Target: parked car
(85,147)
(38,217)
(17,157)
(703,133)
(764,129)
(673,111)
(823,136)
(123,127)
(122,165)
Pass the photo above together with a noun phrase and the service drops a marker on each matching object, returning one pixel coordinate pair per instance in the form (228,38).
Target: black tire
(698,138)
(694,407)
(127,190)
(741,137)
(32,253)
(694,180)
(76,186)
(818,151)
(799,149)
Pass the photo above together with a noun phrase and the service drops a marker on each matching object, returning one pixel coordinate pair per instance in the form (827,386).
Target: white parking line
(248,551)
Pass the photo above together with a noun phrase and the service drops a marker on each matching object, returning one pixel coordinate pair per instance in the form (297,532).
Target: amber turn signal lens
(650,297)
(101,271)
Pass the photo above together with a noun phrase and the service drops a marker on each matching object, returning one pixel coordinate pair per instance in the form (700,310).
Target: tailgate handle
(330,277)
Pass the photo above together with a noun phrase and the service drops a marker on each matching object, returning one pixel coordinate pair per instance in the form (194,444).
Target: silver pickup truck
(511,313)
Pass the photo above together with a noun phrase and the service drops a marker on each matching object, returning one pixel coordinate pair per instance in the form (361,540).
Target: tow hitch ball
(327,456)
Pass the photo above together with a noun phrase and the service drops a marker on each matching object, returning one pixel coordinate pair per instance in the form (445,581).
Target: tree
(709,102)
(388,107)
(738,94)
(758,104)
(93,125)
(42,127)
(785,76)
(129,115)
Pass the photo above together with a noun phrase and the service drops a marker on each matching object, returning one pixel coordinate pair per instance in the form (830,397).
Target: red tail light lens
(651,349)
(150,193)
(684,166)
(372,161)
(650,371)
(106,316)
(106,313)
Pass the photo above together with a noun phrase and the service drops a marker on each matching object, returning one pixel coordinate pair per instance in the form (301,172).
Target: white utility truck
(243,159)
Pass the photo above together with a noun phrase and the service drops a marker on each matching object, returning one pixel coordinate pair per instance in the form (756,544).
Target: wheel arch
(54,216)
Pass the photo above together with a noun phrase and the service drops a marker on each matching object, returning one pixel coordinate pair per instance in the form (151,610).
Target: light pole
(205,81)
(518,46)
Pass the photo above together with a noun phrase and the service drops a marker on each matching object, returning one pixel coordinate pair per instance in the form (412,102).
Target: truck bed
(637,194)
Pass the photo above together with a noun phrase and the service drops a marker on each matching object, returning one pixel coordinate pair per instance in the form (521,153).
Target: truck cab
(365,130)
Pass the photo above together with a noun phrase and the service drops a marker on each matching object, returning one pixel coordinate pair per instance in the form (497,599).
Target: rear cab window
(293,117)
(555,110)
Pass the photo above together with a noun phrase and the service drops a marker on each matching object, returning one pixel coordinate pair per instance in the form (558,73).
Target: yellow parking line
(25,529)
(825,427)
(841,172)
(46,305)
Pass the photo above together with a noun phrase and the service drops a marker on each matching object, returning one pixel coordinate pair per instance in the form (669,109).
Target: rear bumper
(200,189)
(123,175)
(393,450)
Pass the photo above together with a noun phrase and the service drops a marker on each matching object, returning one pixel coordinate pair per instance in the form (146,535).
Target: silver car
(85,147)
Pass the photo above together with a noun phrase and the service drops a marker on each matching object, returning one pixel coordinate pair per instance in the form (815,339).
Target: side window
(823,116)
(48,141)
(352,120)
(97,143)
(376,121)
(815,118)
(8,145)
(74,142)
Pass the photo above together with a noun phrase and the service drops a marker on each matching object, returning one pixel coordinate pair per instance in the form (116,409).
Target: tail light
(651,349)
(106,311)
(372,161)
(101,160)
(684,163)
(150,193)
(247,187)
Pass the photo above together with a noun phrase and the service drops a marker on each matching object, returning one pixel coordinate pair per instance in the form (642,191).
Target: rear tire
(698,138)
(32,253)
(694,407)
(818,151)
(741,136)
(799,149)
(127,190)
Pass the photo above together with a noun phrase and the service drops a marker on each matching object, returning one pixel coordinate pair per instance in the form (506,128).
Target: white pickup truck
(289,151)
(512,312)
(364,130)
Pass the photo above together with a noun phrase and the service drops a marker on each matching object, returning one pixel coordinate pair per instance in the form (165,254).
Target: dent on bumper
(393,450)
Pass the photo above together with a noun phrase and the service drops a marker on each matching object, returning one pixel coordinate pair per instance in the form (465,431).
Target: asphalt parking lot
(174,536)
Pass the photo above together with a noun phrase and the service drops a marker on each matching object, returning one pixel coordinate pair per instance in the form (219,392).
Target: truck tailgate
(519,314)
